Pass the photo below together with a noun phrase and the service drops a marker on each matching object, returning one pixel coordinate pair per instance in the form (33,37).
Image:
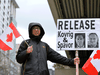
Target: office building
(7,58)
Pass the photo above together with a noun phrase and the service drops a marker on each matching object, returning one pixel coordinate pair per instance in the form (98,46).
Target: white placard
(78,34)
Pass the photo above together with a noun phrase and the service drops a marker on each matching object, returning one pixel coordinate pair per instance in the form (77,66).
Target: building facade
(7,58)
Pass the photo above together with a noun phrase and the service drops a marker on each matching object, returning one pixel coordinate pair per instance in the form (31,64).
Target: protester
(34,57)
(93,40)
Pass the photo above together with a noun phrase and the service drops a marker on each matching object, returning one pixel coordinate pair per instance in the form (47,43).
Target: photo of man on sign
(79,40)
(93,40)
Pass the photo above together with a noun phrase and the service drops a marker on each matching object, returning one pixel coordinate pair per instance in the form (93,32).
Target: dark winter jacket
(35,63)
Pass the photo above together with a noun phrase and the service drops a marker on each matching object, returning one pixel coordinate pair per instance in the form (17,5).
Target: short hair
(94,34)
(97,39)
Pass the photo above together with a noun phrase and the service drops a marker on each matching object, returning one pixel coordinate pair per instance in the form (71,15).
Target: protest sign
(78,34)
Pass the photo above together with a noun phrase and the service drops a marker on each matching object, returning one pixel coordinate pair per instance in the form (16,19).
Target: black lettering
(66,25)
(60,45)
(60,25)
(59,33)
(87,24)
(92,24)
(71,25)
(76,24)
(64,45)
(81,25)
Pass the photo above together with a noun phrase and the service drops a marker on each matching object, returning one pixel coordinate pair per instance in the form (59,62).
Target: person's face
(93,39)
(79,40)
(36,31)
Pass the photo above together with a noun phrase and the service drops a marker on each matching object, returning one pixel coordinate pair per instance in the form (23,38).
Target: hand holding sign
(76,60)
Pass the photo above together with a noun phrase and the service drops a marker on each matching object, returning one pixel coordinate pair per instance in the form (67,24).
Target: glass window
(7,24)
(8,7)
(4,13)
(2,31)
(7,18)
(4,1)
(4,7)
(8,13)
(2,25)
(8,1)
(3,19)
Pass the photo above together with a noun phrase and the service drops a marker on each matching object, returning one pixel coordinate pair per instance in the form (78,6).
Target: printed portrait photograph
(79,40)
(93,40)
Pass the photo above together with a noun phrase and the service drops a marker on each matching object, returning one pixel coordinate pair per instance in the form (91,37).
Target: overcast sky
(36,11)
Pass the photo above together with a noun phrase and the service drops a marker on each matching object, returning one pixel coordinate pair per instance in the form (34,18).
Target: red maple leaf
(9,37)
(97,55)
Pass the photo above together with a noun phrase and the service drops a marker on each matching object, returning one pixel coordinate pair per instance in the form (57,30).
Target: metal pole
(77,68)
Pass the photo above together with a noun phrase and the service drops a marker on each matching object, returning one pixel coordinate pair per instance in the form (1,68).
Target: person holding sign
(79,40)
(93,40)
(34,57)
